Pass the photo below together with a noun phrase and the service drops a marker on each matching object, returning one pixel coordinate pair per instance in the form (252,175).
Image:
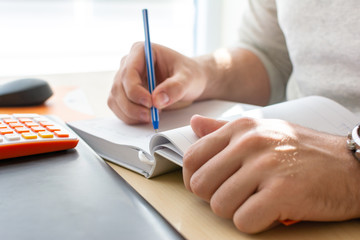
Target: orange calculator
(28,134)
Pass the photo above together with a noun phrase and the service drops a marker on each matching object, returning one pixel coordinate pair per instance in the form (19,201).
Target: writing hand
(180,81)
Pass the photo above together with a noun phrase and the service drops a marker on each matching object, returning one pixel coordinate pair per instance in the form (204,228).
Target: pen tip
(156,131)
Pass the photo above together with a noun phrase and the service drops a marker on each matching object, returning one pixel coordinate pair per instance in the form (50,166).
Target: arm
(183,80)
(235,75)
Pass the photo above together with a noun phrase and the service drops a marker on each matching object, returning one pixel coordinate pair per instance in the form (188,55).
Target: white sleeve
(261,34)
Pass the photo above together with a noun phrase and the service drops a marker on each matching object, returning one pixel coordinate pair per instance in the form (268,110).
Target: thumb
(169,91)
(202,126)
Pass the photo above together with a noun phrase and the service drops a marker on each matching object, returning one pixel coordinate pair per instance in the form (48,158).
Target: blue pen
(150,69)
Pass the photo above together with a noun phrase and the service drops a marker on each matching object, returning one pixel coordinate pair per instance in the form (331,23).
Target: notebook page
(319,113)
(138,136)
(180,138)
(116,131)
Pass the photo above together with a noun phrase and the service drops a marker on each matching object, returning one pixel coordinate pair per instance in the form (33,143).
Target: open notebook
(138,148)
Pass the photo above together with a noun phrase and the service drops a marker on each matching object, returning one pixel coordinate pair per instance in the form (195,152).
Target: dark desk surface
(73,194)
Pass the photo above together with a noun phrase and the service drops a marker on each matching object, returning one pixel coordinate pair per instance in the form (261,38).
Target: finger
(259,212)
(136,58)
(133,76)
(210,145)
(210,176)
(135,90)
(201,151)
(127,111)
(241,149)
(236,189)
(170,91)
(203,126)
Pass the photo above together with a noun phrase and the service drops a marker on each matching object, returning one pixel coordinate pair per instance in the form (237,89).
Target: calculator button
(61,134)
(12,137)
(5,116)
(2,125)
(29,135)
(38,129)
(46,123)
(46,134)
(24,120)
(26,115)
(22,129)
(4,131)
(31,124)
(53,128)
(40,119)
(15,125)
(10,120)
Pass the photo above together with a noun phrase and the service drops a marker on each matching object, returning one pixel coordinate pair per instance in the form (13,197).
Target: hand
(258,172)
(179,79)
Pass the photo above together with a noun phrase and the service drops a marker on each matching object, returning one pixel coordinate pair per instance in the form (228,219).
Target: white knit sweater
(309,47)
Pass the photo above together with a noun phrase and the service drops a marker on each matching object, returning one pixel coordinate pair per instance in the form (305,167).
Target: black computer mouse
(24,92)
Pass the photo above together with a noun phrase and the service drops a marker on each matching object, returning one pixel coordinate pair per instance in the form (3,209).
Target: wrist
(353,141)
(211,75)
(235,75)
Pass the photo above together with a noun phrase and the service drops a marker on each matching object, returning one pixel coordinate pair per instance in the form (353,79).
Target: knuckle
(137,45)
(254,138)
(123,61)
(240,225)
(250,140)
(244,122)
(188,161)
(179,86)
(219,208)
(118,79)
(198,186)
(131,91)
(264,163)
(110,101)
(245,223)
(243,226)
(127,108)
(114,89)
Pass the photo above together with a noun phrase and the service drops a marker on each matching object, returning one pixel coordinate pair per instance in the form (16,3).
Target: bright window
(62,36)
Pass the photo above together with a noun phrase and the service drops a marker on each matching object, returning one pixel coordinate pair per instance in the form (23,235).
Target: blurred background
(71,36)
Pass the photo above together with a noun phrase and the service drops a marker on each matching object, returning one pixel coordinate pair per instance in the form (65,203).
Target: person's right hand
(261,171)
(180,81)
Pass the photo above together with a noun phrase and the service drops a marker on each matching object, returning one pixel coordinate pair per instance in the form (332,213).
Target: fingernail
(144,102)
(144,116)
(163,99)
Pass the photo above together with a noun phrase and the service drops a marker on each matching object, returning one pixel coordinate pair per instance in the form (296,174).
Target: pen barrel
(150,67)
(155,117)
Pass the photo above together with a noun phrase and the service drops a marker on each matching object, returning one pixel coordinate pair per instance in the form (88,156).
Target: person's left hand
(259,172)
